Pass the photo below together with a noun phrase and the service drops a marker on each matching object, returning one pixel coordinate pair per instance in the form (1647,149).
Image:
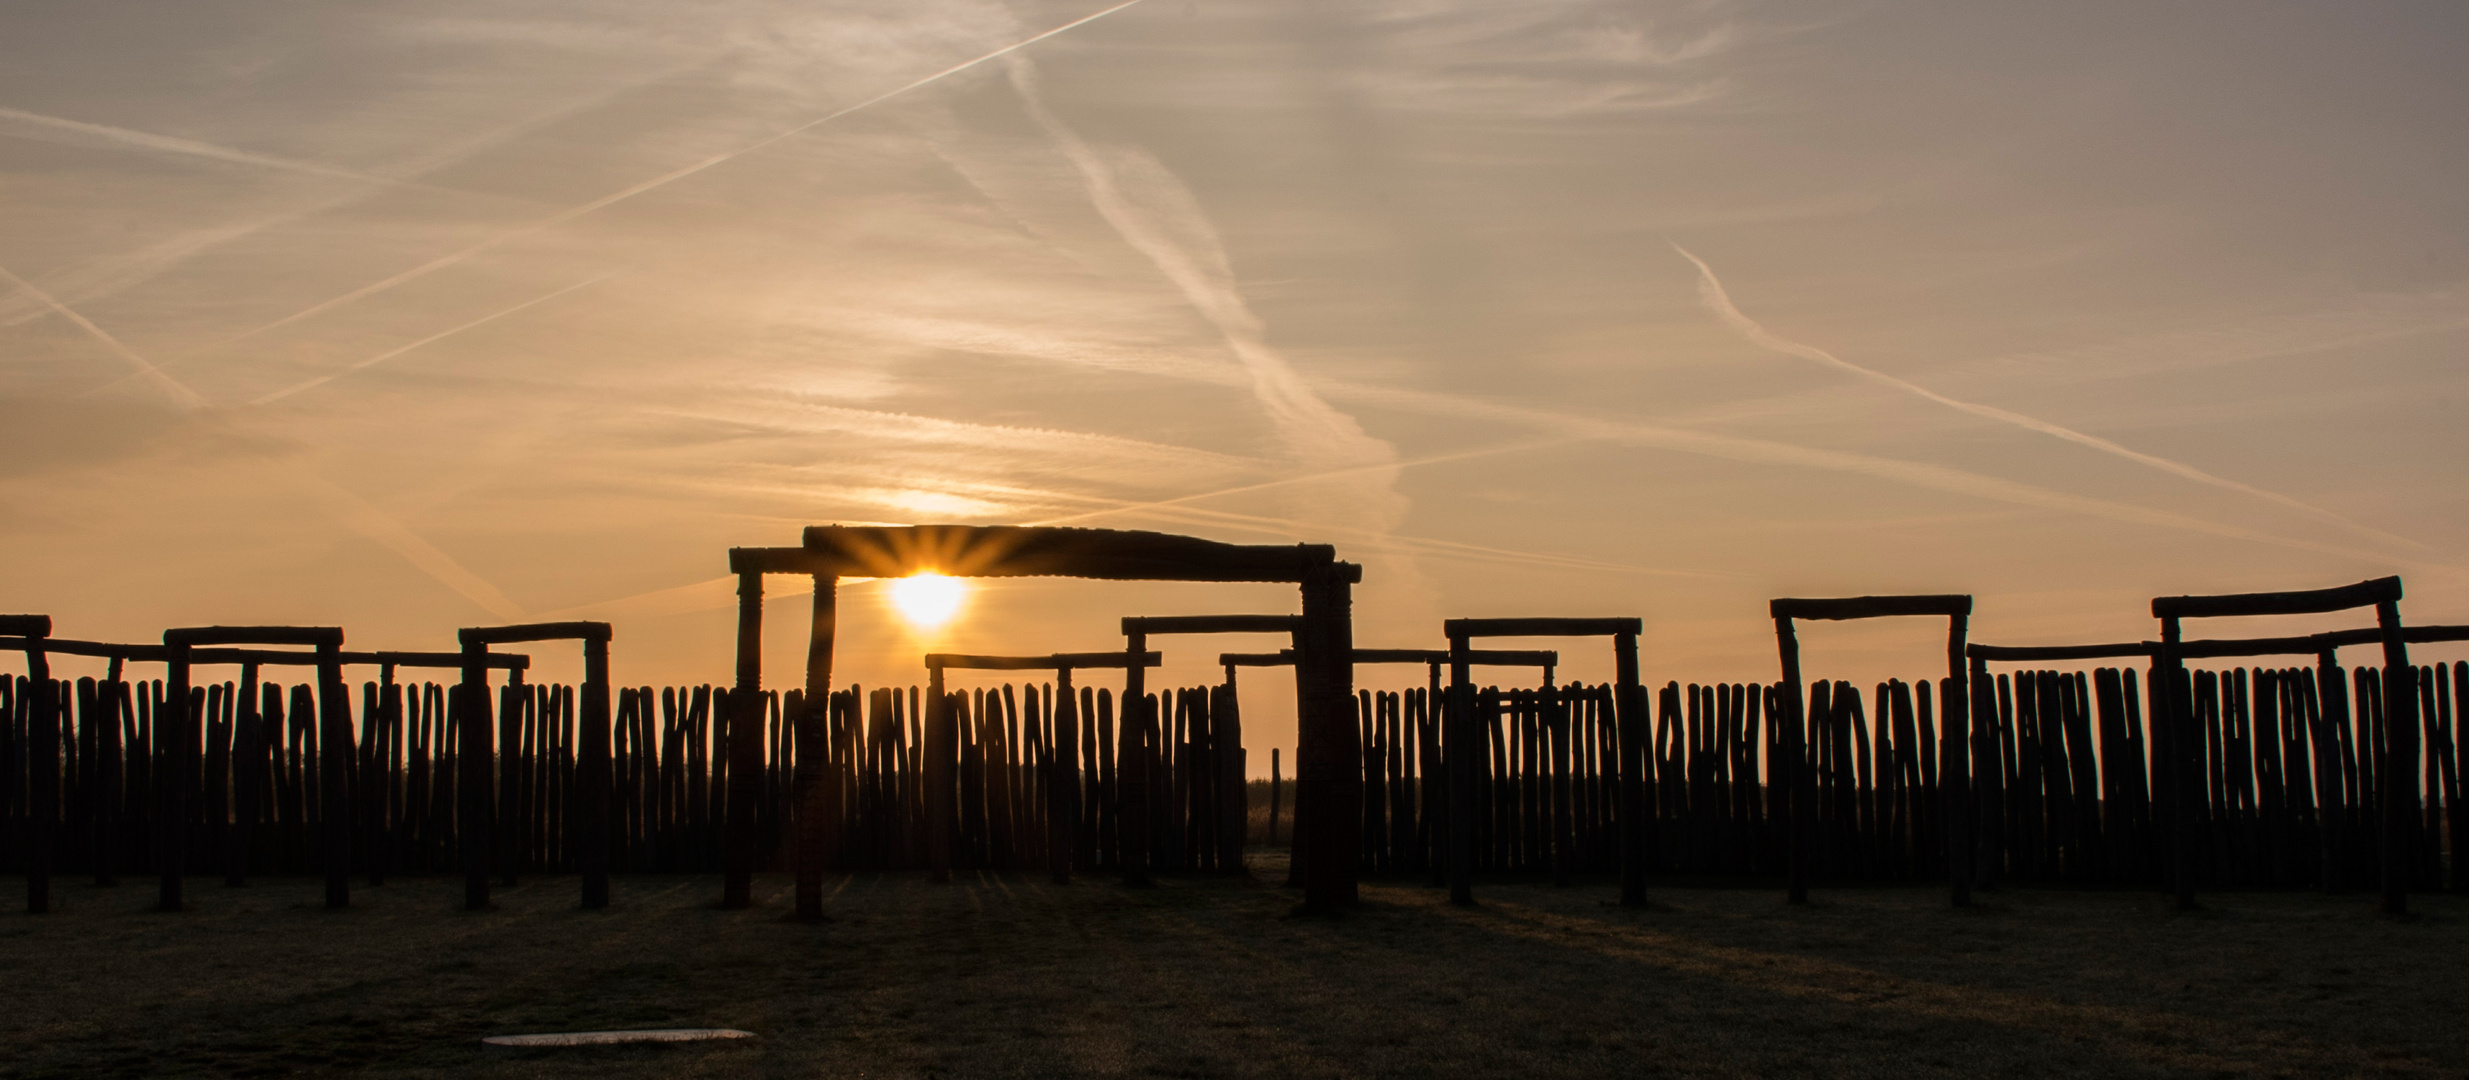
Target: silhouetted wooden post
(1953,785)
(745,746)
(1133,764)
(942,757)
(1801,794)
(174,741)
(1277,792)
(1637,824)
(475,825)
(43,730)
(335,785)
(1329,779)
(1460,746)
(592,774)
(817,788)
(1063,777)
(2400,766)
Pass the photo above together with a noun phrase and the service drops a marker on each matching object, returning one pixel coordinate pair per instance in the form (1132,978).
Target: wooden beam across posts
(591,767)
(1629,712)
(1139,738)
(1063,790)
(1543,658)
(1956,608)
(174,798)
(1119,555)
(2400,750)
(31,632)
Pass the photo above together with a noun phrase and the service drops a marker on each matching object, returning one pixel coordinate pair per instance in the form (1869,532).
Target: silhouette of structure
(1063,785)
(481,832)
(1802,793)
(831,552)
(1629,710)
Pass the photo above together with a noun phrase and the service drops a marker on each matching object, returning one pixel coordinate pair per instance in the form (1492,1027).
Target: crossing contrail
(192,148)
(439,336)
(357,513)
(181,396)
(1710,290)
(664,179)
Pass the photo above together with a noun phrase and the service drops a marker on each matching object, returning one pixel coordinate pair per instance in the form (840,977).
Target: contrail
(1167,226)
(356,512)
(623,194)
(1159,504)
(181,396)
(1710,290)
(192,148)
(440,335)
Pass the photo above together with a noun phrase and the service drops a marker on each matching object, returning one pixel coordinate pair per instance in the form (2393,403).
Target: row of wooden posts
(2292,763)
(2011,783)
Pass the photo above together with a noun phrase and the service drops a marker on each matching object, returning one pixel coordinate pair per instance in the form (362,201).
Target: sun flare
(928,599)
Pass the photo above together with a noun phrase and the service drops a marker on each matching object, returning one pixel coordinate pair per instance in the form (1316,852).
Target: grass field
(1207,977)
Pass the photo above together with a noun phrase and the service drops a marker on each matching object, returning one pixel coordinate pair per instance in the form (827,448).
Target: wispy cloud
(177,393)
(441,335)
(664,179)
(1152,211)
(166,144)
(1718,301)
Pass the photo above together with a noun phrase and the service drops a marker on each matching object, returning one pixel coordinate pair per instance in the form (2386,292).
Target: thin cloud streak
(1910,473)
(353,511)
(183,398)
(1718,301)
(1151,210)
(429,340)
(662,180)
(192,148)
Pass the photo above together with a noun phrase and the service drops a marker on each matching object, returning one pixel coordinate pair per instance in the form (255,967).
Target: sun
(928,599)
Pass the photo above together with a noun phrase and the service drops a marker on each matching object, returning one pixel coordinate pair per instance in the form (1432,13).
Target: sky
(417,316)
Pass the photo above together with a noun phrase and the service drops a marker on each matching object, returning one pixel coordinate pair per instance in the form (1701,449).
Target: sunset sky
(416,316)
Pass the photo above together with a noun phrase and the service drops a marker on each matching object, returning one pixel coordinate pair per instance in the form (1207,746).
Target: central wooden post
(1953,722)
(1328,750)
(745,747)
(1133,764)
(334,784)
(474,815)
(1801,808)
(1637,822)
(2398,771)
(817,787)
(592,780)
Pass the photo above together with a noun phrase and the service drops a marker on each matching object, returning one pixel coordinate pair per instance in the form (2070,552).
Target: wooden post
(744,747)
(1637,821)
(475,828)
(2399,769)
(43,730)
(1463,743)
(174,738)
(335,785)
(1330,780)
(2173,723)
(1790,729)
(1063,777)
(942,755)
(1952,776)
(1133,764)
(817,788)
(593,779)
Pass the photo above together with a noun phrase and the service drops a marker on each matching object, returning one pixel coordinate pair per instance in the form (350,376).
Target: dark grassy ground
(1014,976)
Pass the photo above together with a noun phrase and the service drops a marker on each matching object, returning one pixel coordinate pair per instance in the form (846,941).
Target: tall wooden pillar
(1328,748)
(744,747)
(334,784)
(2173,721)
(2398,772)
(1953,705)
(475,824)
(942,757)
(175,757)
(1063,779)
(1134,724)
(817,785)
(1802,814)
(1636,816)
(592,779)
(43,730)
(1460,739)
